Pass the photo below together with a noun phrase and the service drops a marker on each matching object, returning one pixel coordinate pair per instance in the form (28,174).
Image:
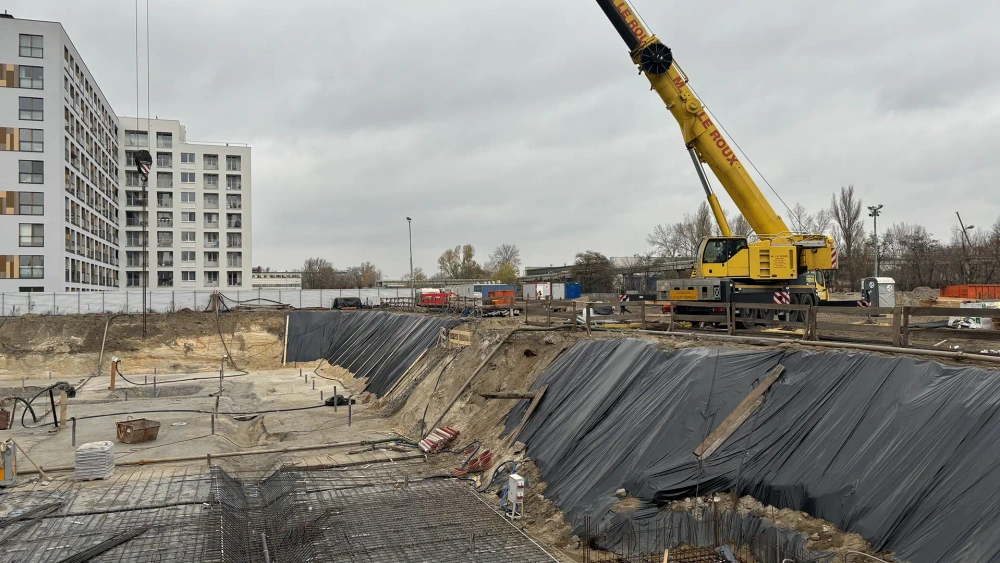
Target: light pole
(874,211)
(413,295)
(964,235)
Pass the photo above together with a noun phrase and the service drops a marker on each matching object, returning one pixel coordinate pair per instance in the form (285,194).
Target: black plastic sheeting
(904,452)
(377,345)
(651,530)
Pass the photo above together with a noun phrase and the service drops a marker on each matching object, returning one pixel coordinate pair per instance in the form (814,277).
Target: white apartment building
(46,161)
(198,209)
(276,280)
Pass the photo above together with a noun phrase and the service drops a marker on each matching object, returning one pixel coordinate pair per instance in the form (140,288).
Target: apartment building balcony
(164,203)
(135,223)
(234,224)
(165,222)
(212,205)
(165,264)
(211,263)
(211,244)
(165,243)
(234,263)
(234,244)
(231,205)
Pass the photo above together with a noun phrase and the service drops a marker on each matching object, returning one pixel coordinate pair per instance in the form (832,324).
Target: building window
(234,240)
(32,234)
(211,201)
(133,198)
(30,289)
(211,162)
(211,279)
(234,279)
(211,259)
(133,239)
(32,267)
(31,46)
(187,177)
(233,163)
(32,140)
(211,240)
(234,259)
(187,255)
(234,202)
(31,77)
(130,158)
(31,203)
(31,109)
(164,239)
(163,218)
(164,140)
(134,258)
(31,171)
(187,197)
(133,279)
(164,279)
(163,159)
(233,181)
(187,158)
(136,139)
(165,259)
(187,276)
(234,220)
(187,217)
(211,181)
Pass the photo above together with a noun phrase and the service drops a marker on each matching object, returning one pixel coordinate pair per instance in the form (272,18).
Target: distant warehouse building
(276,280)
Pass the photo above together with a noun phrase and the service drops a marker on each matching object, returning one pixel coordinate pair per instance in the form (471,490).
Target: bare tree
(739,225)
(418,275)
(364,275)
(506,254)
(593,270)
(460,263)
(318,273)
(802,221)
(849,231)
(683,238)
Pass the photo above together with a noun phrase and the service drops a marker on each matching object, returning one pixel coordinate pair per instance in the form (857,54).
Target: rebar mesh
(380,512)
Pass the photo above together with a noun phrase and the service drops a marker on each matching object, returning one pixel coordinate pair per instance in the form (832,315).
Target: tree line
(503,264)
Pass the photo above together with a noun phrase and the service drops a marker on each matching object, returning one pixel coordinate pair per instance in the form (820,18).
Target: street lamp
(413,295)
(874,211)
(964,235)
(143,162)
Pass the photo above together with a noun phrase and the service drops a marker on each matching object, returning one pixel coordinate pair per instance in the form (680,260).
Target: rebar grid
(172,503)
(374,513)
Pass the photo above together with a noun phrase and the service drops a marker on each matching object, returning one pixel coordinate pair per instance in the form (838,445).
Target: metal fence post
(78,310)
(54,303)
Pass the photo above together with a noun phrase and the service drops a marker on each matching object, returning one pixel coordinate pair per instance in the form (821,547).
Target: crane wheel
(765,316)
(746,318)
(656,58)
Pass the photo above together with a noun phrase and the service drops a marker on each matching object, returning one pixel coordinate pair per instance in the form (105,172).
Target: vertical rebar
(314,384)
(154,387)
(263,543)
(334,398)
(349,401)
(73,419)
(321,396)
(213,424)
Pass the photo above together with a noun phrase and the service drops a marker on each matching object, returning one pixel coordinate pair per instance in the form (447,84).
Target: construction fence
(166,301)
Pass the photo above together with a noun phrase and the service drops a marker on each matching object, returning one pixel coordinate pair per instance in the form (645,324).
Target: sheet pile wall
(373,344)
(904,452)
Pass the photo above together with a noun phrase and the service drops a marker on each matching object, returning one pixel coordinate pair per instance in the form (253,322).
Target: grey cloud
(525,122)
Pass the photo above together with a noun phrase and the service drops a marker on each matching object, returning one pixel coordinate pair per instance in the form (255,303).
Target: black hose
(27,407)
(28,404)
(496,474)
(199,411)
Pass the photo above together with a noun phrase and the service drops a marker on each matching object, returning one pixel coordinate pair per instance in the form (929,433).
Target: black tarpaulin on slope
(374,344)
(904,452)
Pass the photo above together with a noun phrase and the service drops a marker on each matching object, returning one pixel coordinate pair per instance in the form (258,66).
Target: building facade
(276,280)
(197,212)
(58,145)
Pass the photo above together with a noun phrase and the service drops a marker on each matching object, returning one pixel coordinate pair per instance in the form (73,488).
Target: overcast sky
(525,122)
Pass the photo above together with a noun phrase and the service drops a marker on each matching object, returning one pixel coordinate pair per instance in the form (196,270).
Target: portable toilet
(879,292)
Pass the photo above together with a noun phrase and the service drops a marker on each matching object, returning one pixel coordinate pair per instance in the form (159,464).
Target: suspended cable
(718,123)
(147,71)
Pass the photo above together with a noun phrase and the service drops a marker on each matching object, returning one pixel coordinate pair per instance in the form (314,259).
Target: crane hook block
(656,58)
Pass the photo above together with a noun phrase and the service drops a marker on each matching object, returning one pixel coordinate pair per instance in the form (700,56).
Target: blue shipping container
(573,290)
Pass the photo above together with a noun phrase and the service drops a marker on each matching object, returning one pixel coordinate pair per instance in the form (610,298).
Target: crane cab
(721,257)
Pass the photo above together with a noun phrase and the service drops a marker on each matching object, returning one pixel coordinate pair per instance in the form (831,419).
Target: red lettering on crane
(727,151)
(705,121)
(678,82)
(633,23)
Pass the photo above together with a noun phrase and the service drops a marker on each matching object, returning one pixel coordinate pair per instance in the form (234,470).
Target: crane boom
(702,136)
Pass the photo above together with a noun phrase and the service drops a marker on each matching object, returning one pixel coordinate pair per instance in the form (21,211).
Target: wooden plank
(510,395)
(855,327)
(701,318)
(739,415)
(284,353)
(896,333)
(906,327)
(643,311)
(527,415)
(957,334)
(954,312)
(857,311)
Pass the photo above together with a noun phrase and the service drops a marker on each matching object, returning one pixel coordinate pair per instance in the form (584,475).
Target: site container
(553,290)
(972,291)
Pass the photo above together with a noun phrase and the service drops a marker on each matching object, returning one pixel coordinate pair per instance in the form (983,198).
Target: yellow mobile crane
(778,266)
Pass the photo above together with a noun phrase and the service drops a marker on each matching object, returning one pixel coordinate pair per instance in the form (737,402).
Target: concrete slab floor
(186,433)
